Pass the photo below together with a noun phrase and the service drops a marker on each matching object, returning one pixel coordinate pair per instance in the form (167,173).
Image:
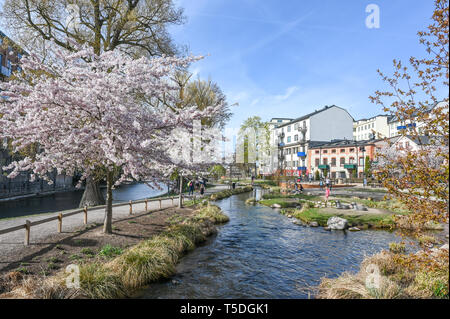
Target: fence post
(146,205)
(60,217)
(172,200)
(27,232)
(160,204)
(85,215)
(131,207)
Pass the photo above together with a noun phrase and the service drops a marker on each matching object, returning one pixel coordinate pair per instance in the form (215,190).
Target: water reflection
(70,200)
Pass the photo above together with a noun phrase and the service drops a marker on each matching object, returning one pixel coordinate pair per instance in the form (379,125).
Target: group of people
(194,184)
(327,182)
(298,186)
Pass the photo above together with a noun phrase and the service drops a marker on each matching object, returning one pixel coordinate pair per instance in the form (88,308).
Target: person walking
(191,187)
(301,188)
(202,189)
(321,184)
(327,194)
(365,182)
(327,182)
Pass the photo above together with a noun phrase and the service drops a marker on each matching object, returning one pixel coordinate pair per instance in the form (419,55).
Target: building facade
(10,55)
(375,127)
(295,137)
(340,158)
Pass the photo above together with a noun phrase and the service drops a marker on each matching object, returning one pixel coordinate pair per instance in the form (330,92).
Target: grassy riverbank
(230,192)
(129,269)
(400,278)
(362,221)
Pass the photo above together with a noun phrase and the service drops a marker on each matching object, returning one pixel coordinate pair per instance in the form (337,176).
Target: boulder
(337,223)
(359,207)
(289,216)
(314,224)
(327,228)
(276,206)
(354,229)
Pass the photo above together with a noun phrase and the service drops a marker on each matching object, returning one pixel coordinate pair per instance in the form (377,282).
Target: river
(70,200)
(262,254)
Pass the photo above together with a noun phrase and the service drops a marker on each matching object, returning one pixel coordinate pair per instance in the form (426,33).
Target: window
(361,161)
(333,161)
(317,162)
(325,161)
(406,144)
(289,128)
(289,139)
(342,161)
(342,150)
(351,160)
(352,150)
(295,137)
(317,152)
(325,151)
(333,151)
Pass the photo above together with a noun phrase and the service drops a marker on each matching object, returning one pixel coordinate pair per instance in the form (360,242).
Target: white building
(293,138)
(374,127)
(268,164)
(396,125)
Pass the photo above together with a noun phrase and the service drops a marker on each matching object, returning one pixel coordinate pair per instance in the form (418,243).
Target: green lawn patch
(280,201)
(308,215)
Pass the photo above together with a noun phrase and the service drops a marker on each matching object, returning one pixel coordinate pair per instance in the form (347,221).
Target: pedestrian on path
(202,189)
(191,187)
(321,184)
(327,194)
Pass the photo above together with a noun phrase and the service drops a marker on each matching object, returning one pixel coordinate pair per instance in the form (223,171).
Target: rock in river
(314,224)
(276,206)
(354,229)
(337,223)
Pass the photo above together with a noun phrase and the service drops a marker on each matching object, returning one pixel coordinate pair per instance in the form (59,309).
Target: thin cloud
(289,91)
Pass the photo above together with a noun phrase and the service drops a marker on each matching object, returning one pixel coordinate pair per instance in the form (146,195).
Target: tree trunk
(92,195)
(180,200)
(107,224)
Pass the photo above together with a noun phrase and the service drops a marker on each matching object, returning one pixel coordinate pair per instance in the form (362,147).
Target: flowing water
(262,254)
(70,200)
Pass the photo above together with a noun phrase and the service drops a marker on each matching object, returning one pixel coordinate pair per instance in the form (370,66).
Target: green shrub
(110,251)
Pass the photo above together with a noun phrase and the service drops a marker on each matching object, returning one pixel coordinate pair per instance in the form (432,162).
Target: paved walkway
(14,240)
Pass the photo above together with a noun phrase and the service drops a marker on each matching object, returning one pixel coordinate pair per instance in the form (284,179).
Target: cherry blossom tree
(88,110)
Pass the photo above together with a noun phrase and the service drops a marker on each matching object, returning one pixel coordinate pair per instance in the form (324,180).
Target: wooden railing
(28,224)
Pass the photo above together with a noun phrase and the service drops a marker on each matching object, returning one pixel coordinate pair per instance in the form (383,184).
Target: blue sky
(291,57)
(287,58)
